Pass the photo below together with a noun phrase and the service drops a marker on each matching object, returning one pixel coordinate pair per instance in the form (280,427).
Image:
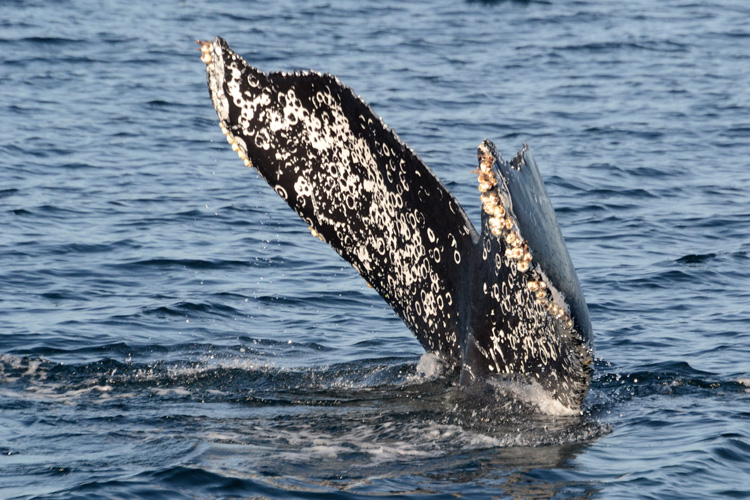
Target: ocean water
(170,330)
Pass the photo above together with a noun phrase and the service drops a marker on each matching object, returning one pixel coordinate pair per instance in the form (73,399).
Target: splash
(430,367)
(534,394)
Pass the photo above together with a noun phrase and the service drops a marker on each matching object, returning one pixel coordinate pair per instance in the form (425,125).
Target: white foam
(206,365)
(430,366)
(173,391)
(533,393)
(311,444)
(407,440)
(58,393)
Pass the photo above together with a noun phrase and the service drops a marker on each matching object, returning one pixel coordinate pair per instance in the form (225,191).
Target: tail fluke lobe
(357,185)
(522,323)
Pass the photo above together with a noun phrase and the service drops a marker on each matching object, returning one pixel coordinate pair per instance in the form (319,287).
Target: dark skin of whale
(504,302)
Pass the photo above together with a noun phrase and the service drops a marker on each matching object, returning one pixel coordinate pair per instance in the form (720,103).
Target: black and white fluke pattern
(503,303)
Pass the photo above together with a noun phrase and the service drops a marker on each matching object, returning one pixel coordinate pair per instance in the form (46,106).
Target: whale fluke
(503,303)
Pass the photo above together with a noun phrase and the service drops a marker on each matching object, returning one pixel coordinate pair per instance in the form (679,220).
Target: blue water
(169,329)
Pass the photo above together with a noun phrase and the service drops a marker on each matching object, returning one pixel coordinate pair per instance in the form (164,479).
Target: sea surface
(170,330)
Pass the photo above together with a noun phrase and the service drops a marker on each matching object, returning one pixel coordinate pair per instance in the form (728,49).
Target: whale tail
(504,302)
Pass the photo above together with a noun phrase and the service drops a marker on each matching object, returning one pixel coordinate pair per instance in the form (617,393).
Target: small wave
(49,40)
(184,263)
(182,309)
(648,45)
(7,193)
(696,258)
(674,378)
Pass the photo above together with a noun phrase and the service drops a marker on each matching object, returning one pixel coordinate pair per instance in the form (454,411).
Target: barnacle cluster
(502,226)
(540,289)
(500,222)
(316,233)
(235,147)
(205,51)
